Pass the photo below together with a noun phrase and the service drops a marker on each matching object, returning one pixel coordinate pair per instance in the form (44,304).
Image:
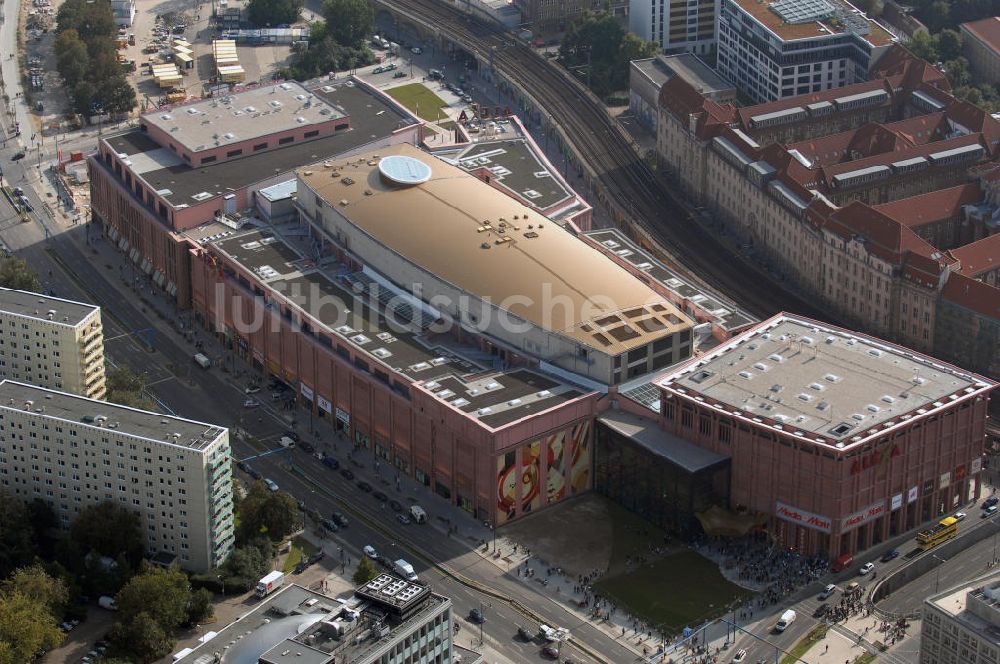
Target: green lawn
(448,125)
(802,647)
(301,550)
(680,590)
(418,98)
(865,658)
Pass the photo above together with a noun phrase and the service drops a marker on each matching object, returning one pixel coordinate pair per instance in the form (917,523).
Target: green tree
(163,594)
(72,57)
(15,273)
(958,73)
(200,606)
(109,529)
(274,12)
(126,387)
(27,627)
(17,536)
(348,22)
(274,514)
(923,46)
(36,584)
(597,50)
(949,44)
(365,572)
(142,638)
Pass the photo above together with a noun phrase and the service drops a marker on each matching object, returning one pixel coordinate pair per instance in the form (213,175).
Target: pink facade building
(839,439)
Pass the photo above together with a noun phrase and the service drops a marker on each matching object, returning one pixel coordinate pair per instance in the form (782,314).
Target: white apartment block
(772,50)
(962,625)
(71,451)
(52,342)
(678,25)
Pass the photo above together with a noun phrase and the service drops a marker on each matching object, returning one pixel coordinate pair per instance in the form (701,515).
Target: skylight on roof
(802,11)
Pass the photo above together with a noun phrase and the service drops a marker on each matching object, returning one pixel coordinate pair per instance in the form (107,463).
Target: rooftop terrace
(516,168)
(808,19)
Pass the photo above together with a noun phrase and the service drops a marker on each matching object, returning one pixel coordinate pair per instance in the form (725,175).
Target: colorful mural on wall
(506,486)
(521,473)
(579,472)
(531,480)
(555,486)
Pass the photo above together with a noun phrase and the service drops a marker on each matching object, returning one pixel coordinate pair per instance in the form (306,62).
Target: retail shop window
(208,160)
(286,140)
(311,134)
(422,477)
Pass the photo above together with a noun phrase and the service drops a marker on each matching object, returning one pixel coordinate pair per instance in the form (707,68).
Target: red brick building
(841,439)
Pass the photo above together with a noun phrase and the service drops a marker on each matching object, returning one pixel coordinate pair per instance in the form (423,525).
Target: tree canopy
(15,273)
(274,12)
(940,14)
(365,572)
(29,601)
(597,50)
(151,606)
(348,22)
(946,48)
(126,387)
(262,512)
(110,530)
(87,61)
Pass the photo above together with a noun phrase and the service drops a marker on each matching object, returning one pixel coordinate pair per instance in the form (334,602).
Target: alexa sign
(858,518)
(803,518)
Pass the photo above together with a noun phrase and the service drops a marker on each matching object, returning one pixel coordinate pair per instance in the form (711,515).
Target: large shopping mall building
(453,314)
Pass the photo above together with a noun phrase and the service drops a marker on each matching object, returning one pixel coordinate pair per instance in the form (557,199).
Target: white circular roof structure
(403,170)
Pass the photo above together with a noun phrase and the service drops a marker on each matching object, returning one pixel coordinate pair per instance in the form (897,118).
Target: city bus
(943,531)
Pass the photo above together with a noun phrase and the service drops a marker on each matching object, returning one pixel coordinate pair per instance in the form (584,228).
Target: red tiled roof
(972,294)
(886,159)
(682,100)
(980,256)
(748,112)
(974,118)
(884,236)
(987,30)
(921,129)
(922,270)
(907,70)
(933,206)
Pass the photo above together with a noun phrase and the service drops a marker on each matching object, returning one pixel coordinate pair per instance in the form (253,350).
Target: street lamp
(937,576)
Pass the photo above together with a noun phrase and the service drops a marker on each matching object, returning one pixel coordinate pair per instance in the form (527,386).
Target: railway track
(623,178)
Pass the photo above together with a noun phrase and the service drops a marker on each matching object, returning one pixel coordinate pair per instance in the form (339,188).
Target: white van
(418,514)
(786,619)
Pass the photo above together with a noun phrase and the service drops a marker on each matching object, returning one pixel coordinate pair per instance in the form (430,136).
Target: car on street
(307,448)
(476,616)
(287,442)
(370,551)
(347,474)
(740,656)
(331,463)
(301,567)
(889,555)
(316,557)
(990,502)
(26,204)
(399,74)
(403,519)
(828,590)
(365,486)
(395,506)
(252,389)
(959,516)
(251,403)
(339,518)
(291,434)
(17,157)
(18,191)
(271,485)
(255,474)
(416,50)
(990,511)
(242,465)
(821,610)
(866,568)
(379,496)
(330,525)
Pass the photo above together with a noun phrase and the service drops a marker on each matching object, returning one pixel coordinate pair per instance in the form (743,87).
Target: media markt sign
(803,518)
(863,516)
